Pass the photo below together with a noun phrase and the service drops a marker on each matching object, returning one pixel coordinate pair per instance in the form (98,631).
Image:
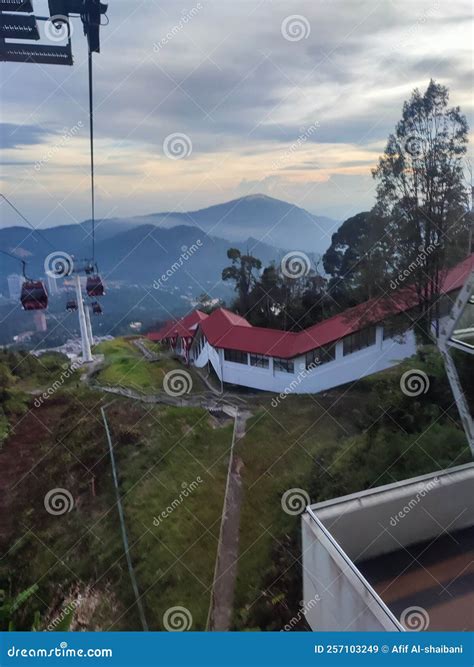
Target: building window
(283,365)
(359,340)
(397,326)
(236,356)
(322,355)
(259,361)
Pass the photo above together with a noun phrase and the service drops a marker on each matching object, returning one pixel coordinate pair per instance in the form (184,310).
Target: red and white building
(358,342)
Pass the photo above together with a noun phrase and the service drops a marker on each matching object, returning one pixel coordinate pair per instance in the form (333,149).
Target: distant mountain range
(140,249)
(272,221)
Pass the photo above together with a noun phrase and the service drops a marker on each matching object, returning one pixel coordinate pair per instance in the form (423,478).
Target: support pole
(89,326)
(86,348)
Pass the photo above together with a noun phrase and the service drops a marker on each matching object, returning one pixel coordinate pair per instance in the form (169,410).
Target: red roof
(182,327)
(228,330)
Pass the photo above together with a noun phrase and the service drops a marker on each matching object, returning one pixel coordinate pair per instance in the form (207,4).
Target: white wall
(345,601)
(343,369)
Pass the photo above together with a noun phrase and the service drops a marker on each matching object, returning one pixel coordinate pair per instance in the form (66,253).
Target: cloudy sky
(293,99)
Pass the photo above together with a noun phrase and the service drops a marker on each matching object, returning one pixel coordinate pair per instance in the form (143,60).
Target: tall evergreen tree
(422,195)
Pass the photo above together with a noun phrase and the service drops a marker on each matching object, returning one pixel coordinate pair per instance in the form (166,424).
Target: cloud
(13,135)
(242,92)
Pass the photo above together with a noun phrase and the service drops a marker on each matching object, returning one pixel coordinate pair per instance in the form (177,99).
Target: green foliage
(422,195)
(357,259)
(242,272)
(9,606)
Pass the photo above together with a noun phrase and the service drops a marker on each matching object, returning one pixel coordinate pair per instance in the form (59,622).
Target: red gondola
(33,295)
(96,308)
(94,286)
(71,305)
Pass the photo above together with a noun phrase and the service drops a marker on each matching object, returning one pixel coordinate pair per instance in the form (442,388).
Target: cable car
(96,308)
(94,286)
(71,305)
(33,295)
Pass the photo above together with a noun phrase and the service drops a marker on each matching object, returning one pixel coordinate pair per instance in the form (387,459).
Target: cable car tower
(18,22)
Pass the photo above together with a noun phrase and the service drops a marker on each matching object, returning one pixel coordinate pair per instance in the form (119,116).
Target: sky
(202,102)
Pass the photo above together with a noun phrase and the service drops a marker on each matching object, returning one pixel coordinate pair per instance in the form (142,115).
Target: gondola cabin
(71,305)
(95,286)
(33,295)
(96,308)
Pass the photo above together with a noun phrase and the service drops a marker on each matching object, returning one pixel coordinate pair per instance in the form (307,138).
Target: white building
(341,349)
(52,284)
(15,281)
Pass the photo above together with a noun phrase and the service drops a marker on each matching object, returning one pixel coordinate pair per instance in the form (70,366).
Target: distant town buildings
(52,285)
(15,281)
(39,318)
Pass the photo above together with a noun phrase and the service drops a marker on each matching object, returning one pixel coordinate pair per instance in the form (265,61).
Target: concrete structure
(342,349)
(365,533)
(15,281)
(39,318)
(52,282)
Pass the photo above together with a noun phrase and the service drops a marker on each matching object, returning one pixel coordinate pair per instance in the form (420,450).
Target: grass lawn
(341,442)
(278,452)
(172,465)
(176,480)
(126,366)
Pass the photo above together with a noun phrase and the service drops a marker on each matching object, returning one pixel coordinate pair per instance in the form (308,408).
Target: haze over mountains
(139,249)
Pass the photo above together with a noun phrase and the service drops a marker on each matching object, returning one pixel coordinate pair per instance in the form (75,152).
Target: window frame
(328,352)
(283,365)
(359,340)
(238,356)
(262,360)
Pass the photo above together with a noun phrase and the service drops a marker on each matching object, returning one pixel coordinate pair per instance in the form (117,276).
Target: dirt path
(222,596)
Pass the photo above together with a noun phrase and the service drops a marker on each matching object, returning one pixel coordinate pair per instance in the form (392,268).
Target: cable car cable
(91,138)
(30,224)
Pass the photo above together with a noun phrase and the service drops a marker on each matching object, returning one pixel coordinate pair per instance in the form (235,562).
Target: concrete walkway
(225,573)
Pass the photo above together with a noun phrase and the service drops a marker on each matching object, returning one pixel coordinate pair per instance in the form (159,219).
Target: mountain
(139,255)
(137,249)
(273,221)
